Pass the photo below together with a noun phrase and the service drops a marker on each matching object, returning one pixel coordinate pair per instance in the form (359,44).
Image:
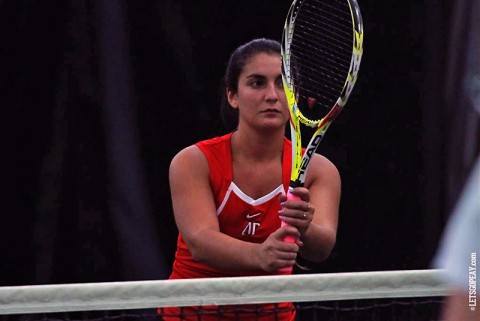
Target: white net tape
(220,291)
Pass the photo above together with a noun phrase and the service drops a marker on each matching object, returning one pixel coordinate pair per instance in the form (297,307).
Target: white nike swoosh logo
(252,215)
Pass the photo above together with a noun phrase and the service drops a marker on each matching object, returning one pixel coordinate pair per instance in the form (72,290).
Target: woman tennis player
(228,192)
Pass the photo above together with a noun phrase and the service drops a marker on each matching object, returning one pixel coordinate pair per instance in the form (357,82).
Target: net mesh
(382,295)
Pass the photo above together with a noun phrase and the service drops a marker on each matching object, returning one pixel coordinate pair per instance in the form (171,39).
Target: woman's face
(260,97)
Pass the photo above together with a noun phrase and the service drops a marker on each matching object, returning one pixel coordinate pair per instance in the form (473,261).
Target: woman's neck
(257,146)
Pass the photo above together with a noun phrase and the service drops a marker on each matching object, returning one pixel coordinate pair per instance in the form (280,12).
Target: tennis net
(378,295)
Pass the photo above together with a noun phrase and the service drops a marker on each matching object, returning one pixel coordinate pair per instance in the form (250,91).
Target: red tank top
(240,216)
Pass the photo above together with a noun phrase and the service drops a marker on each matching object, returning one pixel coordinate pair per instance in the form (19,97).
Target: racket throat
(294,184)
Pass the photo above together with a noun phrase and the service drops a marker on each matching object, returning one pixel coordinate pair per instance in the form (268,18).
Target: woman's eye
(257,83)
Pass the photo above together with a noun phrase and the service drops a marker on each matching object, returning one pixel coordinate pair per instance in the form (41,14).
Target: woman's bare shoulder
(322,167)
(189,159)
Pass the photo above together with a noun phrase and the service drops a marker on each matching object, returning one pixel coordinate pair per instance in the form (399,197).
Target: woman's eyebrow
(255,76)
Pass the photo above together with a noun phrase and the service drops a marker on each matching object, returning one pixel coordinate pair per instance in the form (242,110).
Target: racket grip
(290,196)
(289,238)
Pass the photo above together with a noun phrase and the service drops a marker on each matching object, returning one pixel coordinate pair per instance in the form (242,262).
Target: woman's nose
(272,92)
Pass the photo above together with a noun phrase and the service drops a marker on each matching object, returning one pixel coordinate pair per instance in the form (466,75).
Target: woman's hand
(274,254)
(298,213)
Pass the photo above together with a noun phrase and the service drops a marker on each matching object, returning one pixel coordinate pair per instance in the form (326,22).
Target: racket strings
(329,22)
(313,88)
(320,54)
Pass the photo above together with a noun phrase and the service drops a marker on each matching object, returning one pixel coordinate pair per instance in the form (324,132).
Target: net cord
(220,291)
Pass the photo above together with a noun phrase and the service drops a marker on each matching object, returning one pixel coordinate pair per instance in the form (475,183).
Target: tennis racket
(322,47)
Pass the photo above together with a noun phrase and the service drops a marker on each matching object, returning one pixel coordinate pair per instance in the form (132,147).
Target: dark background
(97,96)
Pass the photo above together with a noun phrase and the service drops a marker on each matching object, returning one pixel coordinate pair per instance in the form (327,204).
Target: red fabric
(240,217)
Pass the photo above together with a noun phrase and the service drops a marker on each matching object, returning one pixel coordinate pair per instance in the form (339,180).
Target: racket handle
(290,196)
(289,238)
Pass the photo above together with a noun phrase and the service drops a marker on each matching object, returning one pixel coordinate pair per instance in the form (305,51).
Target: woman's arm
(197,222)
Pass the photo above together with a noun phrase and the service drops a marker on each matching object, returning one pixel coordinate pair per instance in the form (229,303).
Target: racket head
(322,46)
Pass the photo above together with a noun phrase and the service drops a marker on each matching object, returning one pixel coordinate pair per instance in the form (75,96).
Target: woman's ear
(232,98)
